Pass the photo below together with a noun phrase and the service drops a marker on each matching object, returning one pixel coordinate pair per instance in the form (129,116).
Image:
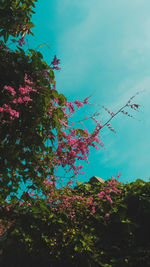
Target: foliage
(91,224)
(22,139)
(15,17)
(114,234)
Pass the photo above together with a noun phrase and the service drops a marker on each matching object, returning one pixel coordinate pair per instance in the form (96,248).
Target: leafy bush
(114,234)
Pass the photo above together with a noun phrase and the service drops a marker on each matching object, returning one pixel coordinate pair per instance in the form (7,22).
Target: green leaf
(13,40)
(54,94)
(6,35)
(62,99)
(81,132)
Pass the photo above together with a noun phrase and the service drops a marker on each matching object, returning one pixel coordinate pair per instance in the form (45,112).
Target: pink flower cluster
(55,63)
(13,113)
(72,147)
(109,189)
(78,205)
(111,128)
(111,113)
(21,41)
(78,149)
(10,89)
(20,97)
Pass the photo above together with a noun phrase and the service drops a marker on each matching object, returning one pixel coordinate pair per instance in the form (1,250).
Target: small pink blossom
(107,215)
(86,100)
(101,195)
(10,89)
(93,210)
(55,61)
(79,167)
(118,175)
(56,100)
(56,68)
(12,112)
(109,199)
(63,123)
(31,194)
(26,99)
(18,100)
(26,90)
(27,81)
(70,107)
(70,183)
(99,125)
(22,90)
(21,41)
(78,103)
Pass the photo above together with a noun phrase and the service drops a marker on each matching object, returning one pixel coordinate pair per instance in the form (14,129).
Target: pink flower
(11,111)
(27,99)
(136,105)
(22,91)
(79,167)
(93,209)
(86,100)
(55,61)
(101,195)
(18,100)
(31,194)
(54,86)
(107,215)
(70,183)
(56,68)
(26,90)
(16,114)
(15,101)
(78,103)
(1,109)
(21,41)
(109,199)
(27,80)
(10,89)
(56,100)
(62,122)
(101,144)
(70,106)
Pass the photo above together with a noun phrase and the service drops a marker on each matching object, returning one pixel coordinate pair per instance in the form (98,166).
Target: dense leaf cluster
(15,17)
(116,235)
(23,140)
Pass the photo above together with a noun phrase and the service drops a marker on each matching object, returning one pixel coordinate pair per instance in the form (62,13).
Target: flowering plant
(36,137)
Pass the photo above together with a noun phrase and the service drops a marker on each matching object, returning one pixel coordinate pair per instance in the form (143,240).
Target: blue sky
(104,47)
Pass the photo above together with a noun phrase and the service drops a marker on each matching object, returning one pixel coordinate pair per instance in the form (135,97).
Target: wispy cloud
(105,48)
